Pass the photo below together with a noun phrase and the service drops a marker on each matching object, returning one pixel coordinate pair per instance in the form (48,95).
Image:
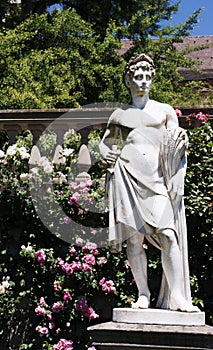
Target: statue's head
(140,61)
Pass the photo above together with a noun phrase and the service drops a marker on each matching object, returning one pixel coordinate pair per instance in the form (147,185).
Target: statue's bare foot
(180,304)
(141,303)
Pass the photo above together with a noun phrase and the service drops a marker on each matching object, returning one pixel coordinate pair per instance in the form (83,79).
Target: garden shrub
(57,279)
(198,192)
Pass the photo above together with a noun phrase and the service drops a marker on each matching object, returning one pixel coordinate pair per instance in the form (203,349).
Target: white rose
(2,154)
(49,190)
(25,156)
(23,153)
(48,169)
(5,284)
(62,177)
(2,289)
(11,151)
(69,132)
(67,152)
(24,176)
(45,163)
(34,171)
(29,248)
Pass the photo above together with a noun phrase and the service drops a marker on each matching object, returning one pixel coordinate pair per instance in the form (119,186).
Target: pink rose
(178,112)
(66,296)
(76,265)
(43,330)
(57,307)
(72,250)
(75,198)
(86,310)
(89,183)
(42,302)
(67,220)
(91,314)
(51,325)
(92,247)
(101,282)
(40,311)
(89,259)
(201,117)
(85,190)
(87,200)
(79,241)
(107,286)
(49,317)
(64,344)
(86,267)
(40,256)
(67,268)
(102,261)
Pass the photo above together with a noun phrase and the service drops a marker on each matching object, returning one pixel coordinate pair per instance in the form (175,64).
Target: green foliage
(47,143)
(56,61)
(70,58)
(199,176)
(72,139)
(139,17)
(198,202)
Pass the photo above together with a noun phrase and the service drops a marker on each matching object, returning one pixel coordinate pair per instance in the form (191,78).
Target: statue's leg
(138,263)
(173,269)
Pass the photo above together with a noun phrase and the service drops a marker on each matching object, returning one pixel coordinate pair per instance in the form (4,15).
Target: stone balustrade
(82,120)
(60,120)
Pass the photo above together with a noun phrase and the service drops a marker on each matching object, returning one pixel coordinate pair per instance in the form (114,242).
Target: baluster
(84,163)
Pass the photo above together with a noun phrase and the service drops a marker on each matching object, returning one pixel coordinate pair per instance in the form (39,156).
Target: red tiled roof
(205,56)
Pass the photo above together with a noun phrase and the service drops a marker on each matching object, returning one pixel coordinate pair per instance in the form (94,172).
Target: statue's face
(141,81)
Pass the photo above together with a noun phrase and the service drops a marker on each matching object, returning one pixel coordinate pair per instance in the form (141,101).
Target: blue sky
(187,7)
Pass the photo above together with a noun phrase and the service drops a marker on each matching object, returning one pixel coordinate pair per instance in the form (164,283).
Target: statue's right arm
(106,144)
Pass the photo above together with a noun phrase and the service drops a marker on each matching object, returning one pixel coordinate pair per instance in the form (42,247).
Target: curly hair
(138,61)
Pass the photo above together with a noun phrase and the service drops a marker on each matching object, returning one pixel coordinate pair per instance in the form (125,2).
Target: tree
(57,61)
(134,19)
(9,12)
(13,12)
(60,60)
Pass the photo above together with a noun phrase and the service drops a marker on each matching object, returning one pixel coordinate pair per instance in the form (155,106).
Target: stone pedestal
(154,330)
(158,317)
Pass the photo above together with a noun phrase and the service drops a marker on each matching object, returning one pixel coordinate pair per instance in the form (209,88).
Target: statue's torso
(141,132)
(153,115)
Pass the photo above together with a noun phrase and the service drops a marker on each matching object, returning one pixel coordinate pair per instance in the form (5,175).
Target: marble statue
(145,188)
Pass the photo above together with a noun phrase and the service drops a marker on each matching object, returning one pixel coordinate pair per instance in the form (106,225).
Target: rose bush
(51,288)
(54,290)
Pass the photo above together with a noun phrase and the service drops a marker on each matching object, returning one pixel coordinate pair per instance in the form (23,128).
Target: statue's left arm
(175,145)
(171,117)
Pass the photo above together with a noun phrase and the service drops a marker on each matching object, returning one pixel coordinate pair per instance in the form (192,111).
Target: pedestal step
(158,316)
(137,336)
(113,346)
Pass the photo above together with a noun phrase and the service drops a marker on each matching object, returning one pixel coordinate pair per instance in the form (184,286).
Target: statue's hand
(112,156)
